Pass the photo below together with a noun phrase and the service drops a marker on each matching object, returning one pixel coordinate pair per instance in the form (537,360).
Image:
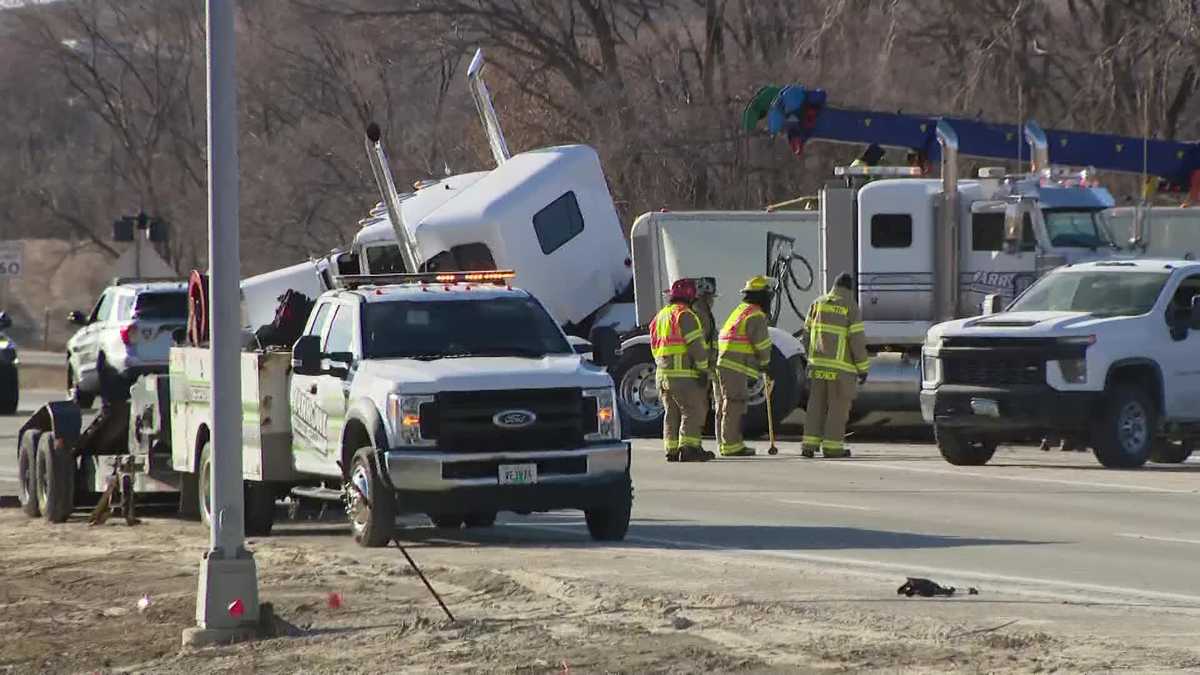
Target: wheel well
(1143,375)
(202,436)
(354,437)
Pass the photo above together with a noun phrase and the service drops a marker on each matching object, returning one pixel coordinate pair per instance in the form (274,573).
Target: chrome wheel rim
(1133,429)
(639,393)
(358,506)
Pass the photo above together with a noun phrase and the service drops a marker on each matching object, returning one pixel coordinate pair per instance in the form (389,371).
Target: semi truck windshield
(1075,229)
(1095,292)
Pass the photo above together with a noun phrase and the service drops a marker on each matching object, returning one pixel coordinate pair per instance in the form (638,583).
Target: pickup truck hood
(1024,324)
(487,372)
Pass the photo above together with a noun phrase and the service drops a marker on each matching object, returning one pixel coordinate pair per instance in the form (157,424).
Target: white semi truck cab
(1101,352)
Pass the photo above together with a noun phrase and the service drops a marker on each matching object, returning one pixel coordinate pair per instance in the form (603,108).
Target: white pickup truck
(1104,353)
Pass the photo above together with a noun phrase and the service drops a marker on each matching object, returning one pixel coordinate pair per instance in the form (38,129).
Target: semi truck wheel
(27,473)
(1168,452)
(55,480)
(372,504)
(611,522)
(637,393)
(1123,437)
(960,450)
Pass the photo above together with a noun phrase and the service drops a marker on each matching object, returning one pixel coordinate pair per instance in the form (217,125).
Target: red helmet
(683,289)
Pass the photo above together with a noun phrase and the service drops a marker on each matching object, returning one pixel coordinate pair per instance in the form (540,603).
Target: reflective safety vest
(836,337)
(744,345)
(677,343)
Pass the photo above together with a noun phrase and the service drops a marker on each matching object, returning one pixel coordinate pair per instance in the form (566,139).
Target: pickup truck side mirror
(992,304)
(76,317)
(605,343)
(5,321)
(306,355)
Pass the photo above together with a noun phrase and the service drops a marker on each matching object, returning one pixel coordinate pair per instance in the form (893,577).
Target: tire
(27,473)
(481,519)
(373,521)
(958,450)
(1167,452)
(446,521)
(1123,436)
(610,523)
(784,397)
(637,393)
(10,390)
(260,508)
(74,393)
(189,503)
(55,480)
(204,484)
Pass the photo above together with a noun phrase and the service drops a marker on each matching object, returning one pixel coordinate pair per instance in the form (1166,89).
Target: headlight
(404,412)
(931,371)
(608,426)
(1074,371)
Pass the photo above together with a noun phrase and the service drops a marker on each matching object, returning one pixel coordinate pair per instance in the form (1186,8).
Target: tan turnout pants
(829,402)
(686,404)
(732,394)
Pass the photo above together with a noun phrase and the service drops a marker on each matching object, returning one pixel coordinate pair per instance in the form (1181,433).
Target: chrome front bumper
(417,470)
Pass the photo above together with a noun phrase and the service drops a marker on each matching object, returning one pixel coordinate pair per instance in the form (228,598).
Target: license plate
(518,474)
(985,407)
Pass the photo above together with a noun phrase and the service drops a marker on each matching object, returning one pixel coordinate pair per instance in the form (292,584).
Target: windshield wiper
(511,351)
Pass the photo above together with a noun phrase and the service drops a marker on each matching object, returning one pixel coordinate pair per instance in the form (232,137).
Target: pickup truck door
(308,423)
(85,346)
(333,390)
(1179,362)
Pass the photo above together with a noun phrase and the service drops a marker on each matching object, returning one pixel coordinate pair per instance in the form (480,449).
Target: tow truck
(451,394)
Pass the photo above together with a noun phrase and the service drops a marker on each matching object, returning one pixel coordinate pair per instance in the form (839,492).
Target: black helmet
(845,281)
(872,154)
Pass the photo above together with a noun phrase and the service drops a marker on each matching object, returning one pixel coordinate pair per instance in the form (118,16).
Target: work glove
(862,378)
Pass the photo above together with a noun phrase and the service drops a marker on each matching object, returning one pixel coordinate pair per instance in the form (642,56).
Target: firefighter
(837,361)
(706,294)
(681,358)
(870,157)
(744,354)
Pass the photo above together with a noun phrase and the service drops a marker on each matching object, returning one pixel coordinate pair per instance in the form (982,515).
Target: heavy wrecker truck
(451,394)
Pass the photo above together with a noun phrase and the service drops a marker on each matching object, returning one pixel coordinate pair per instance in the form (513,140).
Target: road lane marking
(1024,479)
(1071,591)
(826,505)
(1174,540)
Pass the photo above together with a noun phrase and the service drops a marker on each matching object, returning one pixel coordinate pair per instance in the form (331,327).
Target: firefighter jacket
(677,343)
(836,339)
(744,346)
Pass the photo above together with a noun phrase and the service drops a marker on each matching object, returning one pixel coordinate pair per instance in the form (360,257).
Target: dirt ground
(69,603)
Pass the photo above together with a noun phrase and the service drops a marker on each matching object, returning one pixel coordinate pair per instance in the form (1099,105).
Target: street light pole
(227,597)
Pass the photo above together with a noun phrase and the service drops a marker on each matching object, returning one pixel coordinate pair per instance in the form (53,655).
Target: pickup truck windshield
(458,328)
(1104,293)
(1075,229)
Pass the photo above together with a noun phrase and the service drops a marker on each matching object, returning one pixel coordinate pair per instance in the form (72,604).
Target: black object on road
(928,589)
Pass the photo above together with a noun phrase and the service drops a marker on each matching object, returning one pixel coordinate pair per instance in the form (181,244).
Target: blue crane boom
(803,115)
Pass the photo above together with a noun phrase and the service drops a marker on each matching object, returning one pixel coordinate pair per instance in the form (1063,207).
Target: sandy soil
(69,603)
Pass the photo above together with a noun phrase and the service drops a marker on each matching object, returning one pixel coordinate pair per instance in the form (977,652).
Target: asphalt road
(1051,523)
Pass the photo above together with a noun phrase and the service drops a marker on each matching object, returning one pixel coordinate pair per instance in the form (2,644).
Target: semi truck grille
(988,371)
(467,421)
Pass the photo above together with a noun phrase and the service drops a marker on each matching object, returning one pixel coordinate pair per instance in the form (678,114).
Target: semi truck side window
(987,231)
(560,222)
(891,230)
(318,323)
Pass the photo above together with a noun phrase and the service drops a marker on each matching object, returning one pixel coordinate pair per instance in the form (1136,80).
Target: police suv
(1105,354)
(457,396)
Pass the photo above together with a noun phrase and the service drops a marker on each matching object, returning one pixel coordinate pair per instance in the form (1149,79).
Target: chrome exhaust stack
(1039,147)
(487,112)
(376,155)
(945,282)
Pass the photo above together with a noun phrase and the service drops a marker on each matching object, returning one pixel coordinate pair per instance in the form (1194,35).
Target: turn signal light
(411,420)
(604,414)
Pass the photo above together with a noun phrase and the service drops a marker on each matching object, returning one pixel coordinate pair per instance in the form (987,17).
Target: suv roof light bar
(117,281)
(497,277)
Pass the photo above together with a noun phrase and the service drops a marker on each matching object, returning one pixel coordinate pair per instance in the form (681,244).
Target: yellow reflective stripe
(830,328)
(694,335)
(726,448)
(841,348)
(677,372)
(764,345)
(736,367)
(672,349)
(836,309)
(810,440)
(821,362)
(858,327)
(736,347)
(863,366)
(823,375)
(690,440)
(671,443)
(832,445)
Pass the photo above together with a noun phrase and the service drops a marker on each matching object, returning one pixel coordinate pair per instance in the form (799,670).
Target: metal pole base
(223,582)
